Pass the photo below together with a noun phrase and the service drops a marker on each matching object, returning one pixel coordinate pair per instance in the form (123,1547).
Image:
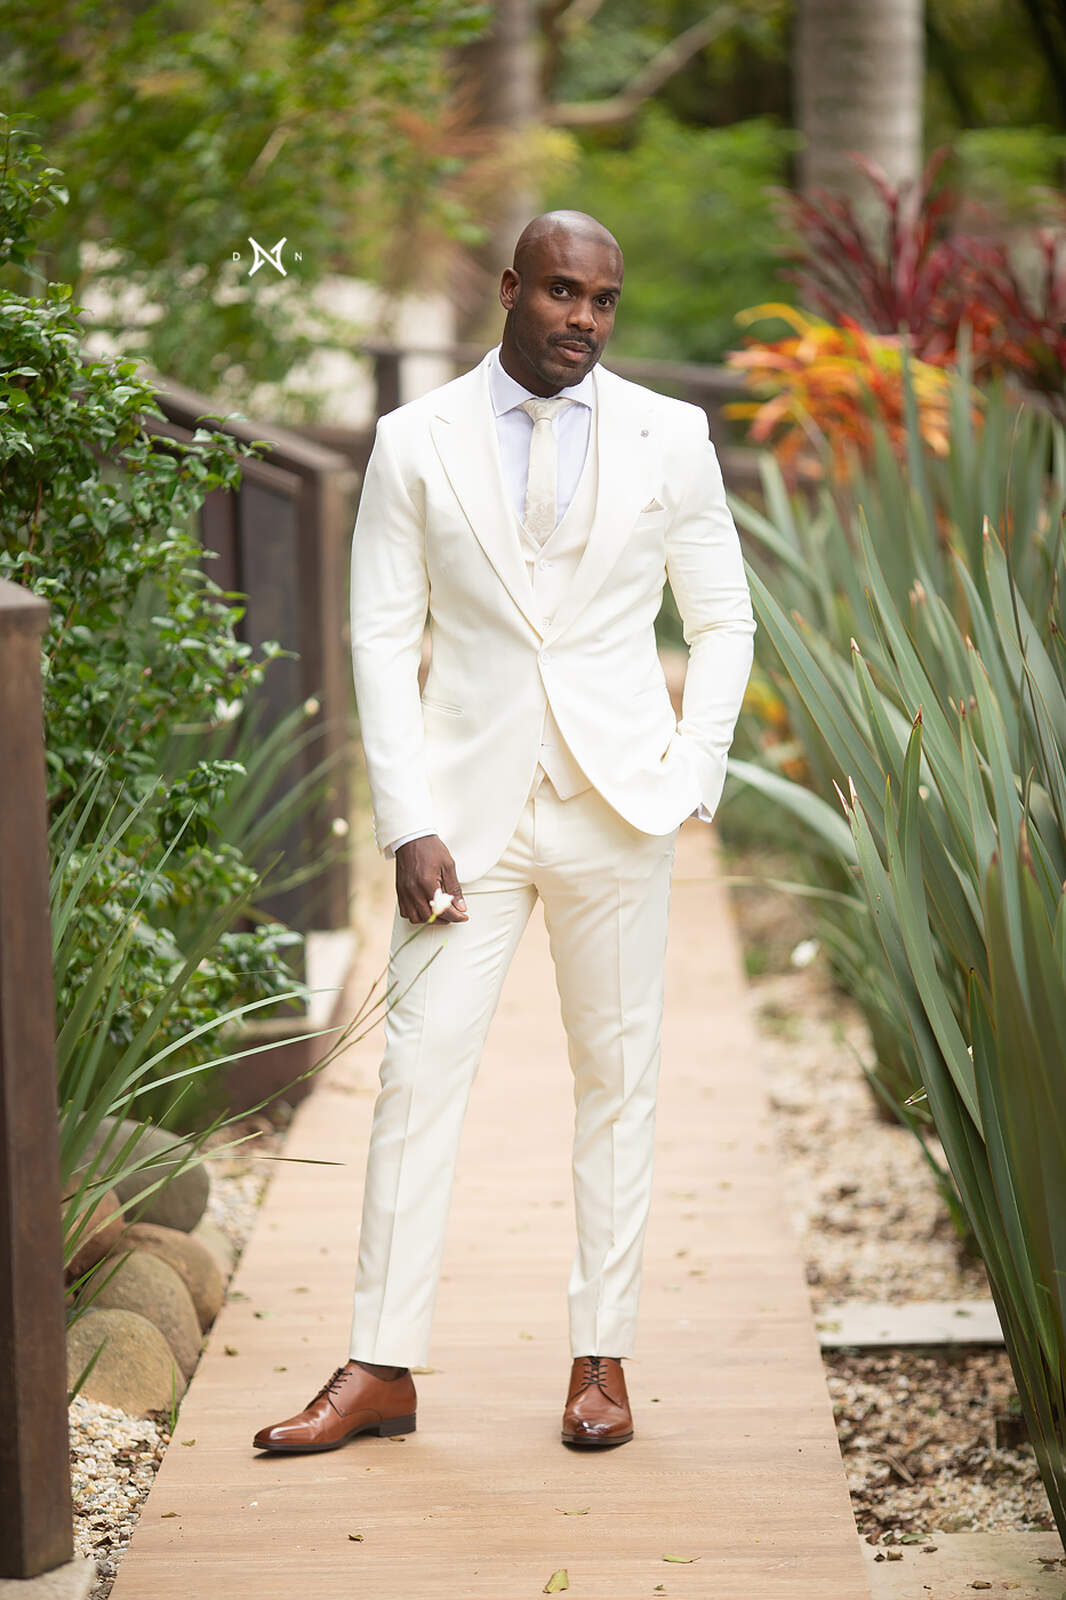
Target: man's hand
(422,867)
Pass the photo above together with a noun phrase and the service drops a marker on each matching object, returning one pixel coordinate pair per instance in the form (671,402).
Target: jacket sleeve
(389,601)
(706,572)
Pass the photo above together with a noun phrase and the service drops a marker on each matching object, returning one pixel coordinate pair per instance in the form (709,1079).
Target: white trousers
(605,888)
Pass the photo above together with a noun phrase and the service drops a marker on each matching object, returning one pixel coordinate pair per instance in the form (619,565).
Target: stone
(219,1243)
(136,1369)
(955,1564)
(147,1285)
(180,1202)
(102,1232)
(73,1580)
(191,1259)
(875,1324)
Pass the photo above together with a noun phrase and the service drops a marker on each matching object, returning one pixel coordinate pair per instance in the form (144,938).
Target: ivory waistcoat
(550,569)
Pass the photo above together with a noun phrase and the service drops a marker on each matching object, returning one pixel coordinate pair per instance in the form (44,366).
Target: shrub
(915,620)
(908,262)
(825,390)
(98,517)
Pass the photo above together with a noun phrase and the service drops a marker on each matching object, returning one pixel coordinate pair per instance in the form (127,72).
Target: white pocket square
(652,505)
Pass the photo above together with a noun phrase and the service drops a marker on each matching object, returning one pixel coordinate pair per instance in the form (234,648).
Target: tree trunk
(859,88)
(498,79)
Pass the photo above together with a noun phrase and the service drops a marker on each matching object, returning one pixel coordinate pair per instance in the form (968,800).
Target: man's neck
(517,369)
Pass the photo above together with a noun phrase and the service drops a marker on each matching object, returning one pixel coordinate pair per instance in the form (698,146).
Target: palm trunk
(859,86)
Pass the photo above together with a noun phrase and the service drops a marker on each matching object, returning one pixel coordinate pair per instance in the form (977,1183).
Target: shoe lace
(593,1373)
(331,1385)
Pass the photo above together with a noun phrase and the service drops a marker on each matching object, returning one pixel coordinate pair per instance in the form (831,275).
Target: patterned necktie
(543,466)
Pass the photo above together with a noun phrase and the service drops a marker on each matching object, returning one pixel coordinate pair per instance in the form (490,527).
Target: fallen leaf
(979,1583)
(525,1336)
(260,1313)
(231,1350)
(397,1438)
(358,1537)
(582,1511)
(188,1441)
(683,1561)
(168,1513)
(423,1372)
(660,1588)
(894,1555)
(557,1582)
(281,1369)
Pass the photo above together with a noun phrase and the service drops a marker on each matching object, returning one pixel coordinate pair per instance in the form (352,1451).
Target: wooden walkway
(735,1461)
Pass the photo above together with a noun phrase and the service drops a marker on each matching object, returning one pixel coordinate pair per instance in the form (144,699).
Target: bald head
(560,297)
(556,227)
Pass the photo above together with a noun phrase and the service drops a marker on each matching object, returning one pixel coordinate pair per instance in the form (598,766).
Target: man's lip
(573,349)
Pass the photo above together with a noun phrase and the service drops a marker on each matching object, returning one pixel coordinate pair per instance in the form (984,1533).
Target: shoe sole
(384,1430)
(597,1444)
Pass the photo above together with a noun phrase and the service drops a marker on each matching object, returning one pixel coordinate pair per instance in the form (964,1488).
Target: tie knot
(541,410)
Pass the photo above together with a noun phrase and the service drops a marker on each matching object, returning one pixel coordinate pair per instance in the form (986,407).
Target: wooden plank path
(735,1459)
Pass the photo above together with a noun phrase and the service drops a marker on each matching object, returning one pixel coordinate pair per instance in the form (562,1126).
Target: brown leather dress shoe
(597,1406)
(351,1401)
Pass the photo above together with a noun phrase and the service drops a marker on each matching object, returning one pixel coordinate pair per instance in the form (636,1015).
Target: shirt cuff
(423,833)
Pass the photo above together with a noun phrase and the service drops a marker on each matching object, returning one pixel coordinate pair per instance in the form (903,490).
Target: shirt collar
(507,395)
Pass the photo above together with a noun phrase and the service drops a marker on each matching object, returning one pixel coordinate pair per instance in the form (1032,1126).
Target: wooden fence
(35,1494)
(283,540)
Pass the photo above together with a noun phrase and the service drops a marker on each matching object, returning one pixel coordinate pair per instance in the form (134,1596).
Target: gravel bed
(113,1462)
(916,1431)
(114,1457)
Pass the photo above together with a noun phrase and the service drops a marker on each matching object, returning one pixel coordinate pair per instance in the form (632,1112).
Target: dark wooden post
(386,378)
(35,1497)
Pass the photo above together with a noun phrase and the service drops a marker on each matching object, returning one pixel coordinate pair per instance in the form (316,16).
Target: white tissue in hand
(440,901)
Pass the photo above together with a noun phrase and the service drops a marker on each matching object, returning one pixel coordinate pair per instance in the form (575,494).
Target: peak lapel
(464,434)
(623,456)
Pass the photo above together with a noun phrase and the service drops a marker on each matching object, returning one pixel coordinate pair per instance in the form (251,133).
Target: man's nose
(581,315)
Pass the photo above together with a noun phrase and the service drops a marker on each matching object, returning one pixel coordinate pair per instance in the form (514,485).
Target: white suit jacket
(435,534)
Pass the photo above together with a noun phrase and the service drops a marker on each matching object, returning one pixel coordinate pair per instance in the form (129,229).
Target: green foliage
(693,213)
(187,130)
(916,622)
(97,516)
(96,1081)
(988,64)
(743,72)
(1010,169)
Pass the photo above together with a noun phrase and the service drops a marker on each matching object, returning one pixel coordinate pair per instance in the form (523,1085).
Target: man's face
(560,310)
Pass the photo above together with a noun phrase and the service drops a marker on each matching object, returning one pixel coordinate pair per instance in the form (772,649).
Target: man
(534,509)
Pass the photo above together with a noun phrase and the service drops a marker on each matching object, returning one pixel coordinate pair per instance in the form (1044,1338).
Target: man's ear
(510,283)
